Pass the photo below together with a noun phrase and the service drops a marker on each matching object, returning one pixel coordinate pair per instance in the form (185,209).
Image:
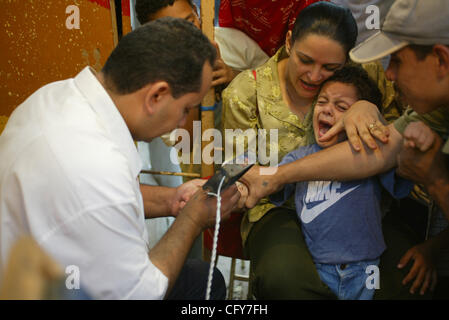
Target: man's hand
(259,185)
(362,121)
(222,74)
(423,269)
(202,208)
(243,189)
(198,214)
(183,193)
(420,158)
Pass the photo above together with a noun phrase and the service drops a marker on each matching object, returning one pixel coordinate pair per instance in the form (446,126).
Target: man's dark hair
(326,19)
(421,51)
(365,87)
(167,49)
(146,8)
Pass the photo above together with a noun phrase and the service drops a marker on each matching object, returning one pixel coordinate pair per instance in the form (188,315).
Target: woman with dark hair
(279,95)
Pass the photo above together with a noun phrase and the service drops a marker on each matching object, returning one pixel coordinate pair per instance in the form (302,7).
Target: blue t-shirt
(341,221)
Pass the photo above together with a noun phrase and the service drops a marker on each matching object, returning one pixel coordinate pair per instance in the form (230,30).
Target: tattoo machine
(230,172)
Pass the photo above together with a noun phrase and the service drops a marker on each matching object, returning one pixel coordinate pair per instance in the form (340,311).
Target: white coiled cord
(215,240)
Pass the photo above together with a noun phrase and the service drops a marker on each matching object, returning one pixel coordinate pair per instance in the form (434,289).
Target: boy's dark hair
(146,8)
(326,19)
(365,87)
(167,49)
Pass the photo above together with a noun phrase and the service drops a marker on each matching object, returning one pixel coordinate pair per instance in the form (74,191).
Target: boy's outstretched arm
(339,162)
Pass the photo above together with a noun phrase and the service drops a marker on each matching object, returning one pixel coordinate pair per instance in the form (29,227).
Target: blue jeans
(348,281)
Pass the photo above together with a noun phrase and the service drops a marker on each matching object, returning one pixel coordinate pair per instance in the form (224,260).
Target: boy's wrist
(278,179)
(273,180)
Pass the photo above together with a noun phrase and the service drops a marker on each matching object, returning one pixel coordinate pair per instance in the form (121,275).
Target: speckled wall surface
(37,48)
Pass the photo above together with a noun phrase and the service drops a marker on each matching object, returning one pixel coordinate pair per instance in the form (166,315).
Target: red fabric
(229,238)
(105,4)
(126,10)
(265,21)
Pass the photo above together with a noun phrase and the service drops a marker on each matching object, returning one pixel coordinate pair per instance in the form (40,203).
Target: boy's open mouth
(323,127)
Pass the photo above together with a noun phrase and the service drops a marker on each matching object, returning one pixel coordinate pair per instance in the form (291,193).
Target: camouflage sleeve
(239,112)
(240,102)
(437,120)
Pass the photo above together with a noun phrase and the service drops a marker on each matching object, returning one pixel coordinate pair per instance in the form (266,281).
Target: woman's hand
(362,121)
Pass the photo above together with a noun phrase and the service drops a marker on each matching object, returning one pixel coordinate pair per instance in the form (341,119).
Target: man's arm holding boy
(422,161)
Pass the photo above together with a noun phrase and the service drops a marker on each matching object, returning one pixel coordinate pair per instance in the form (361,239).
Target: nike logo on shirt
(319,190)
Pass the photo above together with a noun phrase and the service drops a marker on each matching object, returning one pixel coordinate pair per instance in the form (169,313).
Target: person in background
(279,95)
(236,52)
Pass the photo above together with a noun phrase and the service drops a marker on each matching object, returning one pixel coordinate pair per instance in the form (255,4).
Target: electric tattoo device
(230,171)
(228,174)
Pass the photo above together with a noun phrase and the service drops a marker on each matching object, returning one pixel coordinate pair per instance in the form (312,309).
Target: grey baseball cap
(420,22)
